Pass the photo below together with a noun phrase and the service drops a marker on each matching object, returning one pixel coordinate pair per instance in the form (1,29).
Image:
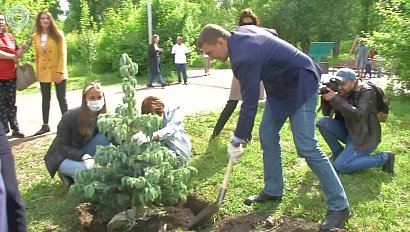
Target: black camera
(331,84)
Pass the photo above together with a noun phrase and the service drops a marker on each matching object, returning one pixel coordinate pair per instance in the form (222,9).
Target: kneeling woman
(172,130)
(78,136)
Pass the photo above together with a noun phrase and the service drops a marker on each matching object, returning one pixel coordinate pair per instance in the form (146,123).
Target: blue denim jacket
(173,133)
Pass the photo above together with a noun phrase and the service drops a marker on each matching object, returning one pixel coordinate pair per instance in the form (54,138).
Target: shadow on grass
(18,141)
(47,202)
(211,161)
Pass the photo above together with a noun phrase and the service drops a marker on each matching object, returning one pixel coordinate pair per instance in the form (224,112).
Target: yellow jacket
(50,60)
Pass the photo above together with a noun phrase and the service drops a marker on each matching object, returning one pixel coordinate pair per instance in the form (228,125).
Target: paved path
(203,93)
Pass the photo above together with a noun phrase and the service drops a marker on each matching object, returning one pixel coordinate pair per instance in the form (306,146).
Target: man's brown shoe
(261,197)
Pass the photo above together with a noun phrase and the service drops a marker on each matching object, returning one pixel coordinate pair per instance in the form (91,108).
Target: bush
(130,174)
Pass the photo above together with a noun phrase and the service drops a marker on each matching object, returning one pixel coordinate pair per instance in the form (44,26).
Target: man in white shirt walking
(180,51)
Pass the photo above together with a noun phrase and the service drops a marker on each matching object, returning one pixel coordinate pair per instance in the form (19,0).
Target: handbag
(25,76)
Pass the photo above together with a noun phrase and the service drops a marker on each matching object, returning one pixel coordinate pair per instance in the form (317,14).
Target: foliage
(131,174)
(121,33)
(87,39)
(391,41)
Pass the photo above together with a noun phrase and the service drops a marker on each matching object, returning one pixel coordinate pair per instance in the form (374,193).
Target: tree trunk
(305,44)
(336,49)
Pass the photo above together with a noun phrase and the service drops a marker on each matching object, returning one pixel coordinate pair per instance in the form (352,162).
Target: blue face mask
(95,106)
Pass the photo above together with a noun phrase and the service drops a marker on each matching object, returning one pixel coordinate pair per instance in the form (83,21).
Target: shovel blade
(204,216)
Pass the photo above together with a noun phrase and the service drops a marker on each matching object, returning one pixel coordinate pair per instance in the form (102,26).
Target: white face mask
(95,105)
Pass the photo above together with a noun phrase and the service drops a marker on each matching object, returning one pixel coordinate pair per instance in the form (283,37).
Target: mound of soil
(173,218)
(169,218)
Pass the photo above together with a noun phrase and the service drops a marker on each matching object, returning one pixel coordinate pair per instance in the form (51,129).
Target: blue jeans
(303,128)
(360,62)
(152,76)
(348,159)
(181,68)
(69,167)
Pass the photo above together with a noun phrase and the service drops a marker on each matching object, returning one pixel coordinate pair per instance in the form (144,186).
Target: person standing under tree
(361,57)
(207,63)
(180,52)
(154,61)
(51,64)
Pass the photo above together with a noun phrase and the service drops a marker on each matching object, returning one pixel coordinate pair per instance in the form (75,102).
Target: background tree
(391,41)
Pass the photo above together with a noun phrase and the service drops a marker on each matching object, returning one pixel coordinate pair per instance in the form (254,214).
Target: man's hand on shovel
(235,151)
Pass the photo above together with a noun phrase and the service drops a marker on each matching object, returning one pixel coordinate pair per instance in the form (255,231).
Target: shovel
(211,209)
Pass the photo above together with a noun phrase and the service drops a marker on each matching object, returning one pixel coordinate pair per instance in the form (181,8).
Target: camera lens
(323,90)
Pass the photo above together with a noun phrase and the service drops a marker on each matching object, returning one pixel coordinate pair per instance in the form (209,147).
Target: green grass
(380,202)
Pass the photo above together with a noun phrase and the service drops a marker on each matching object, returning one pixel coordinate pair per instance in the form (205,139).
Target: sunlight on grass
(379,201)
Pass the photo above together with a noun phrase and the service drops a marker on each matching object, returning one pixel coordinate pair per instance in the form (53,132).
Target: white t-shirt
(43,40)
(180,51)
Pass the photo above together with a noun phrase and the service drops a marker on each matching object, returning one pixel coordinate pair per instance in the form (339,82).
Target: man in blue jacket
(291,81)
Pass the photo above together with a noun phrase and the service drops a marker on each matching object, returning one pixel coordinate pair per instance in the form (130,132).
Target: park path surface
(202,94)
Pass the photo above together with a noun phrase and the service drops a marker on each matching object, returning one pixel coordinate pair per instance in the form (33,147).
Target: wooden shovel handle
(227,174)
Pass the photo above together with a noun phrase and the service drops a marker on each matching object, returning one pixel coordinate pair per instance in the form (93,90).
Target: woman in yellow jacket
(51,64)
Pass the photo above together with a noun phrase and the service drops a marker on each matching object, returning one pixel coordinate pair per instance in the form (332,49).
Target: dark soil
(173,218)
(170,218)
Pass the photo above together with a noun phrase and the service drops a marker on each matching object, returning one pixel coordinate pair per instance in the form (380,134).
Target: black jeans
(46,95)
(8,108)
(15,206)
(223,118)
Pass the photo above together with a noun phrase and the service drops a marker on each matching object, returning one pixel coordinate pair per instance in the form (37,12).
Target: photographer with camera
(355,124)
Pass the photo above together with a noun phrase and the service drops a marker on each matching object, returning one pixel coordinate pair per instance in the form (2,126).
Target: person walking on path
(361,58)
(180,52)
(51,64)
(207,63)
(291,81)
(154,61)
(9,56)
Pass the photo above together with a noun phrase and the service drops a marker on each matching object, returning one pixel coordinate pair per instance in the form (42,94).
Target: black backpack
(382,102)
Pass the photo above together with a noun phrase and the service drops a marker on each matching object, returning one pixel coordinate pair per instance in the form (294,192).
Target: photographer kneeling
(355,124)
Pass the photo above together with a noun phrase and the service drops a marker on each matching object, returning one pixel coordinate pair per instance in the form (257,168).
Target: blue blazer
(290,77)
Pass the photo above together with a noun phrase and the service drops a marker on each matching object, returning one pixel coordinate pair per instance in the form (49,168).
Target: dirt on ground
(177,218)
